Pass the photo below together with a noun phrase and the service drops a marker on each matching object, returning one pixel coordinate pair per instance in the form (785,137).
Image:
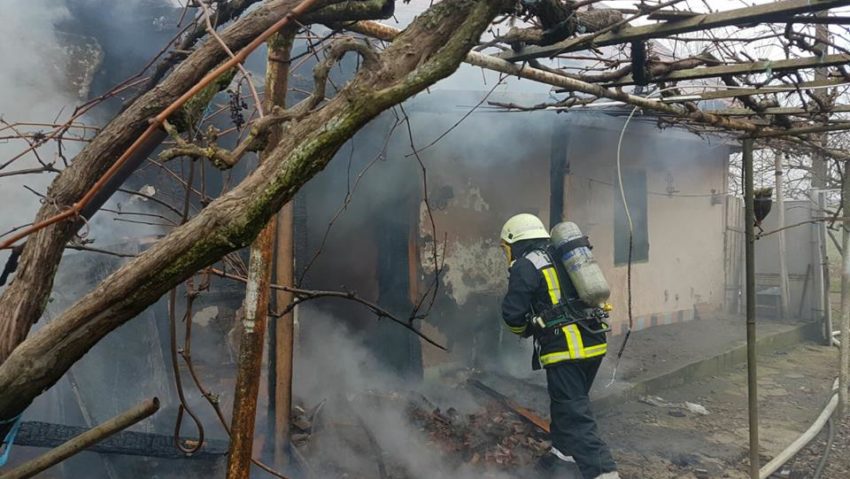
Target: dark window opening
(634,184)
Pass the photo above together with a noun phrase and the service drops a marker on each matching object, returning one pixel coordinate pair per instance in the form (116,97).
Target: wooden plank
(836,20)
(129,443)
(767,12)
(806,130)
(778,111)
(742,69)
(523,412)
(723,93)
(671,15)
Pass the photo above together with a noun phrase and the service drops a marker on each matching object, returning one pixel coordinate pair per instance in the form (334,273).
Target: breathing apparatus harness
(568,310)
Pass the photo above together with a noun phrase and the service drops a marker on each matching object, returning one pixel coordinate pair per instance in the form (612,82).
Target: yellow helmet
(523,227)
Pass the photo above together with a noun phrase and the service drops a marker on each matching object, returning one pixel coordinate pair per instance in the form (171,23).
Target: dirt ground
(838,462)
(661,349)
(695,431)
(660,438)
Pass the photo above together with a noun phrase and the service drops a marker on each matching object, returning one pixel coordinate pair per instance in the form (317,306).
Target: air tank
(573,251)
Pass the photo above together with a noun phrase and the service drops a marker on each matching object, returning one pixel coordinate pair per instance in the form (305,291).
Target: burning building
(491,165)
(407,217)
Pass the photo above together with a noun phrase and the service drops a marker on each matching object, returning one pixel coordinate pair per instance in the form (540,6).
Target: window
(634,184)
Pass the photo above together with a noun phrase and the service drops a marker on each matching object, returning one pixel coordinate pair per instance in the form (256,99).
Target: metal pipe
(844,324)
(824,256)
(84,440)
(784,288)
(752,377)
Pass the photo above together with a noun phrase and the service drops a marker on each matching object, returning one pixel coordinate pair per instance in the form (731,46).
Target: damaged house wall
(494,165)
(487,168)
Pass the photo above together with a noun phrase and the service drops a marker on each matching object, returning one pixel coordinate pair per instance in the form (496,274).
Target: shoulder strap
(539,259)
(576,243)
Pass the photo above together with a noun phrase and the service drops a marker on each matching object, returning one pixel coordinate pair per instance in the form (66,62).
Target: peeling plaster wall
(490,167)
(501,167)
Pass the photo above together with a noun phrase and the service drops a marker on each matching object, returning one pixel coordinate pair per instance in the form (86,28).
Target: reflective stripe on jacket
(533,287)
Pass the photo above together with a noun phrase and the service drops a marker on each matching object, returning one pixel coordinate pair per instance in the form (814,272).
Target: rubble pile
(356,437)
(494,437)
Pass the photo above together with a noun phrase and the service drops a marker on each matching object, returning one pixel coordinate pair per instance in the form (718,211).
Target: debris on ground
(686,405)
(494,436)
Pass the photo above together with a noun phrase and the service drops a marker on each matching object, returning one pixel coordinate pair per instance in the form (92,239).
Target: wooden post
(257,291)
(752,383)
(84,440)
(844,354)
(284,334)
(284,337)
(784,290)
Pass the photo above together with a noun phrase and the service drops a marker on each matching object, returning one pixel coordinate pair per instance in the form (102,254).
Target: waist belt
(556,318)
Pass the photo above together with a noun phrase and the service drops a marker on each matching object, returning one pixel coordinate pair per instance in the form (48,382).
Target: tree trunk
(250,361)
(23,301)
(431,48)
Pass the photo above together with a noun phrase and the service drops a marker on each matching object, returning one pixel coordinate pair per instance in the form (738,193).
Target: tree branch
(430,49)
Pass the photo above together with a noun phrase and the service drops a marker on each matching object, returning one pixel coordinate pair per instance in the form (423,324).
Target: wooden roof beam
(742,69)
(836,20)
(767,12)
(779,111)
(766,90)
(724,92)
(805,130)
(705,119)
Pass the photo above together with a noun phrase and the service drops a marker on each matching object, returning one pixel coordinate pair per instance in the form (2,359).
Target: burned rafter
(130,443)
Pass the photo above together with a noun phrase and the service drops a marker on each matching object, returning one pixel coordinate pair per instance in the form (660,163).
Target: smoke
(360,393)
(56,54)
(34,90)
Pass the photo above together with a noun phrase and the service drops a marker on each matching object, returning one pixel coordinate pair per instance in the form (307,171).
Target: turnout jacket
(534,287)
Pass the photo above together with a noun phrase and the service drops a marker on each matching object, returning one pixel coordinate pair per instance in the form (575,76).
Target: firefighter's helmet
(523,227)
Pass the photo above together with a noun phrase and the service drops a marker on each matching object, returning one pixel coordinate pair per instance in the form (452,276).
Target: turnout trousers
(573,429)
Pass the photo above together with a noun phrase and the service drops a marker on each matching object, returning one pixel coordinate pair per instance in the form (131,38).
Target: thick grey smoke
(56,54)
(362,392)
(34,89)
(53,59)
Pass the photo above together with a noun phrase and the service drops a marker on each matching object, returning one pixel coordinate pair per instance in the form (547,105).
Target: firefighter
(570,348)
